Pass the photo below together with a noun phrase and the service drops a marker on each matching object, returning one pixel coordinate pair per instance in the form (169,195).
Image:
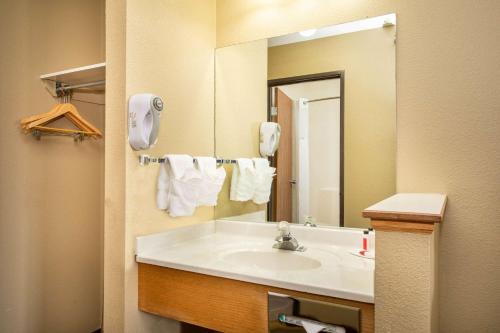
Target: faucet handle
(284,227)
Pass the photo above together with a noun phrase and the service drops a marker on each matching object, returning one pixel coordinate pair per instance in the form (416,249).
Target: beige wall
(447,125)
(166,48)
(368,59)
(51,201)
(241,101)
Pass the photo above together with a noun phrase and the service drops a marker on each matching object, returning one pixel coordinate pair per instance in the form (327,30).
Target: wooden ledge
(402,226)
(408,212)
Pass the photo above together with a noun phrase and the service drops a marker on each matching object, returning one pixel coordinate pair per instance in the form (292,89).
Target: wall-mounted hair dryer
(144,112)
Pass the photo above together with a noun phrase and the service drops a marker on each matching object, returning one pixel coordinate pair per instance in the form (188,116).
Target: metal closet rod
(146,159)
(82,85)
(322,99)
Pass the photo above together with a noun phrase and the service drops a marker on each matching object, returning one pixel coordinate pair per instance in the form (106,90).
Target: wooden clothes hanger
(25,122)
(67,110)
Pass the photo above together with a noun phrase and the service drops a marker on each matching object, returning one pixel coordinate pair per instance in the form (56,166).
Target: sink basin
(272,260)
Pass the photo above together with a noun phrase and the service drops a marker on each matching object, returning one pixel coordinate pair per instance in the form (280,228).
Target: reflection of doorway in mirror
(283,189)
(314,142)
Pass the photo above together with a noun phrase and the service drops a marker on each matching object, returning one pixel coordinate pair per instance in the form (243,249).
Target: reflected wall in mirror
(333,93)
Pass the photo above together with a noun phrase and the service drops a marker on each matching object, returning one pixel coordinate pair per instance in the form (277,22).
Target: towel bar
(146,159)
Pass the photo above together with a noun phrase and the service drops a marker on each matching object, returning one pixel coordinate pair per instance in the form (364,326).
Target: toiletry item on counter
(242,180)
(270,133)
(365,251)
(263,180)
(365,243)
(183,185)
(212,180)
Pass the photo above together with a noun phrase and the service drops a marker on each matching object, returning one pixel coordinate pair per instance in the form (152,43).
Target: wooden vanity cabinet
(219,304)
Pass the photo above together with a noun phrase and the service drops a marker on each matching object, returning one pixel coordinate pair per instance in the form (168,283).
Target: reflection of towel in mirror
(263,180)
(242,181)
(212,180)
(178,185)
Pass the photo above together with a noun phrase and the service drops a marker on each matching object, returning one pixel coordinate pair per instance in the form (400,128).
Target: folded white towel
(263,180)
(260,163)
(242,181)
(180,164)
(178,185)
(270,133)
(206,164)
(185,185)
(212,180)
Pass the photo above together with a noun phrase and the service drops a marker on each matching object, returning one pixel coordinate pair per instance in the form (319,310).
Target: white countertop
(210,248)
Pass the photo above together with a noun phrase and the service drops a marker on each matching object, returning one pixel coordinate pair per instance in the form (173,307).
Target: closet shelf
(81,77)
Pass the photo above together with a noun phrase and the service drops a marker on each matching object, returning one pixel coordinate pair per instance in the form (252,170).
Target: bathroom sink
(272,260)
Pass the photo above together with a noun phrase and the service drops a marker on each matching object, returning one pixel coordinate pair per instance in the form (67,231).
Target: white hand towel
(185,184)
(206,164)
(260,163)
(178,184)
(242,181)
(212,180)
(263,180)
(270,133)
(179,164)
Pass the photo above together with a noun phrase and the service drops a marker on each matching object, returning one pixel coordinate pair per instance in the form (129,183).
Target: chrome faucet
(285,240)
(310,221)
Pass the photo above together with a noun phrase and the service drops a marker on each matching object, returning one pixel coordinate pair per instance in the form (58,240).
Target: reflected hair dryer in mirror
(270,133)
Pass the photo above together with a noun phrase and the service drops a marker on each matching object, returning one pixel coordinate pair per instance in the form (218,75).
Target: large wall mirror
(332,90)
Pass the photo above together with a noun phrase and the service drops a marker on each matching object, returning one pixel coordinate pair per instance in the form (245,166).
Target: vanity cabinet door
(219,304)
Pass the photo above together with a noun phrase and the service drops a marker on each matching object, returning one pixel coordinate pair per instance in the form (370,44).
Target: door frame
(308,78)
